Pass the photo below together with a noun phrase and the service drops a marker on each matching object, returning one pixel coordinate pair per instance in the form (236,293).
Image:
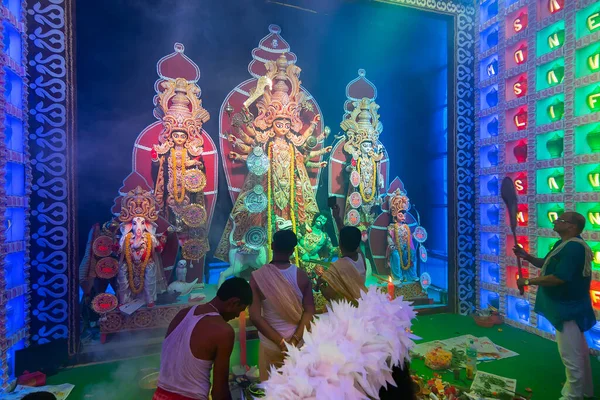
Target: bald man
(563,298)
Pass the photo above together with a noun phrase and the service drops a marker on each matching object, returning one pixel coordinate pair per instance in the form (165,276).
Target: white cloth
(575,355)
(180,371)
(589,256)
(269,312)
(359,265)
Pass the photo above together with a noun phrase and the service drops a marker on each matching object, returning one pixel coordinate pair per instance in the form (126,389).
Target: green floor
(538,366)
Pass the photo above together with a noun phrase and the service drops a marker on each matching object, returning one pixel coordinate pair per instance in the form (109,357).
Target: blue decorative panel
(15,175)
(53,258)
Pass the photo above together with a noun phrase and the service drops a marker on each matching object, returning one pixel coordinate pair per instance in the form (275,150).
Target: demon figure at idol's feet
(401,251)
(279,149)
(140,271)
(315,244)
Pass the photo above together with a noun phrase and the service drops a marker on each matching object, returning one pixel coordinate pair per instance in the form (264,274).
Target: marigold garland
(360,186)
(293,198)
(143,266)
(399,246)
(269,204)
(178,198)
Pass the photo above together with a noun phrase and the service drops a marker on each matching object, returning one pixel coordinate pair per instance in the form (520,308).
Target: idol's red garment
(161,394)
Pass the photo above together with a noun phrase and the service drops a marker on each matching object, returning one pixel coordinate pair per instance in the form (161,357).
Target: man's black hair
(350,237)
(235,287)
(285,241)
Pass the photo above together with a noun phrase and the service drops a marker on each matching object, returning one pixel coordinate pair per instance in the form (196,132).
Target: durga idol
(278,150)
(177,166)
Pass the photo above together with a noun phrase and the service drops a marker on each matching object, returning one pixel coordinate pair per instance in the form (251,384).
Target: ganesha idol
(140,273)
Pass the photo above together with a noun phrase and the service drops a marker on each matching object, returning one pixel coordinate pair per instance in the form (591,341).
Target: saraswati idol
(278,150)
(178,168)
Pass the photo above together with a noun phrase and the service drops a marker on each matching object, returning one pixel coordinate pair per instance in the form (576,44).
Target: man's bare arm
(220,387)
(308,304)
(256,315)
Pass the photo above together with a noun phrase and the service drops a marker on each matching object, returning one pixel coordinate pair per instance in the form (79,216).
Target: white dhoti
(575,355)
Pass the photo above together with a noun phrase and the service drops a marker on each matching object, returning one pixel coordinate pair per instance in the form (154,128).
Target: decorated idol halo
(102,246)
(195,180)
(194,215)
(107,268)
(104,303)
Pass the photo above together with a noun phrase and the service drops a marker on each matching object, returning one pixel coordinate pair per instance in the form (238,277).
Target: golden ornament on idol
(144,264)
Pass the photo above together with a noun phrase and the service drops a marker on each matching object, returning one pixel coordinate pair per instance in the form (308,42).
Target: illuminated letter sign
(556,111)
(521,120)
(593,21)
(519,185)
(552,216)
(594,217)
(594,61)
(593,101)
(520,56)
(520,87)
(492,68)
(520,22)
(594,179)
(556,39)
(555,5)
(595,294)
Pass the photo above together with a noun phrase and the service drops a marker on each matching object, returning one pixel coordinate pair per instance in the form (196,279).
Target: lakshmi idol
(177,165)
(277,150)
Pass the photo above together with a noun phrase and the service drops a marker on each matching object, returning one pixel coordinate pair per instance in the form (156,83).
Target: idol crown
(138,203)
(284,100)
(363,123)
(180,107)
(399,202)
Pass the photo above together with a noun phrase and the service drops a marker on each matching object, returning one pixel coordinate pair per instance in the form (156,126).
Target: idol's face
(179,138)
(281,126)
(139,226)
(366,147)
